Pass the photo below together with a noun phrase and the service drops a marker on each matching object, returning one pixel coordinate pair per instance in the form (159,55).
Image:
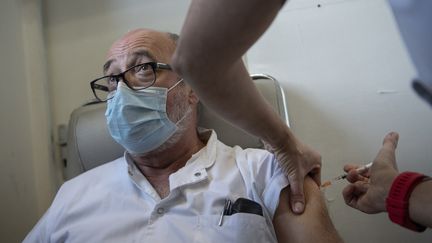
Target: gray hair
(174,37)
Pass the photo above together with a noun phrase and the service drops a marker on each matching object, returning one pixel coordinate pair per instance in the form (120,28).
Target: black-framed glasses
(138,77)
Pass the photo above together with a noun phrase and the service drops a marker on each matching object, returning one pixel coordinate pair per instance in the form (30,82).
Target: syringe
(359,170)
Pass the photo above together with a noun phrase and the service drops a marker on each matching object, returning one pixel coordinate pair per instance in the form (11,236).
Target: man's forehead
(156,43)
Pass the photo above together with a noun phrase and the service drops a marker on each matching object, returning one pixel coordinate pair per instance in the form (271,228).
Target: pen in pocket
(224,211)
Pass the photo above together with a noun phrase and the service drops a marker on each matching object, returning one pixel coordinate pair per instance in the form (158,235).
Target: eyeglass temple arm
(163,66)
(100,87)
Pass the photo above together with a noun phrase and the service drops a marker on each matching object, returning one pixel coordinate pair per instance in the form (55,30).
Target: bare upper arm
(290,227)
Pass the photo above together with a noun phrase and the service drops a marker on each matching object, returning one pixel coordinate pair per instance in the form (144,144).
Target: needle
(359,170)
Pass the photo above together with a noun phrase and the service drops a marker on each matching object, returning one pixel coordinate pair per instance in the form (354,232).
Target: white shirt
(115,202)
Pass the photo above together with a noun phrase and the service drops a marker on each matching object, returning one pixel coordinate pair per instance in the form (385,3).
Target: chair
(89,143)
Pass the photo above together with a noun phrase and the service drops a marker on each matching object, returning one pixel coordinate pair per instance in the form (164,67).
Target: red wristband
(397,202)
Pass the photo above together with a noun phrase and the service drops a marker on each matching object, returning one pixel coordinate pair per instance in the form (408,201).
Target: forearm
(216,34)
(208,57)
(420,204)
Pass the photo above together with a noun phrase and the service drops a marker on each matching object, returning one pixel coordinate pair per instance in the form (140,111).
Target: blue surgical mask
(137,120)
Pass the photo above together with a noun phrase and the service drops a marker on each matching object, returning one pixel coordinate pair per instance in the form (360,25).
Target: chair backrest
(89,143)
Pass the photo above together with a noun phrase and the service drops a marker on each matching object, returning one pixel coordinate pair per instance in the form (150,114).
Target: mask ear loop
(172,87)
(189,110)
(186,114)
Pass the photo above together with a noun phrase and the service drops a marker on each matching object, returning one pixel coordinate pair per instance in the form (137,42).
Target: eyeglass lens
(136,78)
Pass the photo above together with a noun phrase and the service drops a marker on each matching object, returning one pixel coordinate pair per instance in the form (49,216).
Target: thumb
(297,200)
(386,155)
(391,140)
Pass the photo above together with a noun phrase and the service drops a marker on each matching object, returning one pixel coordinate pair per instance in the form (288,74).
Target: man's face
(141,46)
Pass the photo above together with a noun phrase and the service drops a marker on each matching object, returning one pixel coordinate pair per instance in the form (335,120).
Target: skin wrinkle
(154,41)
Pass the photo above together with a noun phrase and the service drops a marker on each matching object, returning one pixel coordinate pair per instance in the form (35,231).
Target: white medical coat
(115,203)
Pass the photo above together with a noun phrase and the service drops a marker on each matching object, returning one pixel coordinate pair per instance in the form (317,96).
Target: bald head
(141,45)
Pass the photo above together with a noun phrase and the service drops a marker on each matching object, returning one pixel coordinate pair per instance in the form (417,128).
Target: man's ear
(192,97)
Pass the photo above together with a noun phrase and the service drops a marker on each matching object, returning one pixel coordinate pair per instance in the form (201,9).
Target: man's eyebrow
(134,56)
(137,54)
(107,65)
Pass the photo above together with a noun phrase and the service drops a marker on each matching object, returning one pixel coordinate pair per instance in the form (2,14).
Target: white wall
(27,176)
(346,75)
(333,61)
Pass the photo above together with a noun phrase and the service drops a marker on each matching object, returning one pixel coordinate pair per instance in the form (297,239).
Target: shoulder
(89,184)
(92,183)
(73,194)
(258,162)
(103,174)
(249,157)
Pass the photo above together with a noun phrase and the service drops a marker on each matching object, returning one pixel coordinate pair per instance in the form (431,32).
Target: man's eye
(143,68)
(112,80)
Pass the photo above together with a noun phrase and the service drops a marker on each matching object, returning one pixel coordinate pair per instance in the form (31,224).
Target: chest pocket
(239,227)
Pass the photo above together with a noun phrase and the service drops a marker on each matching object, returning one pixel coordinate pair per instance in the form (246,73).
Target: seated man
(175,182)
